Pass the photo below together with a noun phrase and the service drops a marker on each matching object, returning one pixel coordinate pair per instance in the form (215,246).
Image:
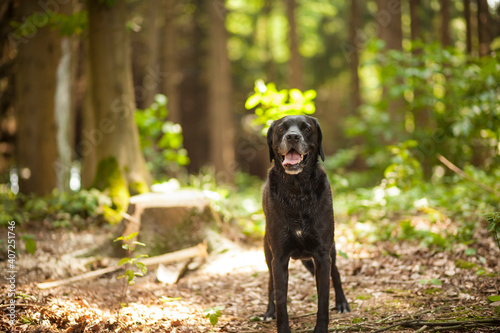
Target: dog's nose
(292,137)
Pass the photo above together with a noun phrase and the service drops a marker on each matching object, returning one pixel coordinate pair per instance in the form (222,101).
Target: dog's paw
(342,307)
(269,315)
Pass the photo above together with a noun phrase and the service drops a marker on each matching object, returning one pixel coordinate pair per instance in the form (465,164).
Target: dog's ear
(320,139)
(270,141)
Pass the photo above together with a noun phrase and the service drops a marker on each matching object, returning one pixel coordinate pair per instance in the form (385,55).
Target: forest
(133,155)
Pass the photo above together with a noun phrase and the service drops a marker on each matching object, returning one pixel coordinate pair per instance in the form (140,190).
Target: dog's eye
(308,129)
(280,130)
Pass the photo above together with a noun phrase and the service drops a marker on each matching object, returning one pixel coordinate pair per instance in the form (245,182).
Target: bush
(161,141)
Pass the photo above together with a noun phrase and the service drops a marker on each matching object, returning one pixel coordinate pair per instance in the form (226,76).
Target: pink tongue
(292,157)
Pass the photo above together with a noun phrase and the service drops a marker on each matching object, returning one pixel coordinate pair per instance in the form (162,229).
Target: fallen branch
(462,173)
(199,250)
(435,326)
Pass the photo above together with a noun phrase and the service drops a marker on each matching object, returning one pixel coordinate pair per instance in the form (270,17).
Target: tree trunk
(415,22)
(483,20)
(445,23)
(295,64)
(114,134)
(193,85)
(145,53)
(221,122)
(354,59)
(468,27)
(37,61)
(169,62)
(65,106)
(389,20)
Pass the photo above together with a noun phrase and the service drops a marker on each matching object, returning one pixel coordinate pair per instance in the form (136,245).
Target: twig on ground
(462,173)
(196,251)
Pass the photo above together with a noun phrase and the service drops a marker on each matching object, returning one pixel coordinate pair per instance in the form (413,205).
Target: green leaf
(255,318)
(132,235)
(310,94)
(494,298)
(139,243)
(123,261)
(253,101)
(30,243)
(342,254)
(436,282)
(480,271)
(214,319)
(470,251)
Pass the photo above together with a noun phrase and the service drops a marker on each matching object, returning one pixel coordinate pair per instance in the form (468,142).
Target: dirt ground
(384,284)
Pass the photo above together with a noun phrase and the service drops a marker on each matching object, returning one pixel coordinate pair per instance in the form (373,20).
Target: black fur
(297,202)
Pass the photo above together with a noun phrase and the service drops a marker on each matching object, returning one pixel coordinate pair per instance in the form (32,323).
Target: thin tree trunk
(415,22)
(445,23)
(354,59)
(468,27)
(36,150)
(483,27)
(114,133)
(171,78)
(65,106)
(389,20)
(295,65)
(193,87)
(221,122)
(145,53)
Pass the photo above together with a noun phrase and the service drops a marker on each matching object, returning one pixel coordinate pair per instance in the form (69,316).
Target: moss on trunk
(109,179)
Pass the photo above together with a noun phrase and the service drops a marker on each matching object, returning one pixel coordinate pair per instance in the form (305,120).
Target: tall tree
(114,133)
(415,22)
(295,64)
(354,59)
(468,27)
(483,27)
(64,109)
(445,23)
(389,21)
(145,52)
(37,60)
(221,122)
(170,77)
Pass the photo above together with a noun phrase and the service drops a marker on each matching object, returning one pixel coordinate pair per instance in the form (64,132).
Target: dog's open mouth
(292,158)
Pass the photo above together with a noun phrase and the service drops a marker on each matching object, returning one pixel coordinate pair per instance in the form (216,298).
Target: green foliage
(213,314)
(161,140)
(135,267)
(495,299)
(29,243)
(405,170)
(449,105)
(494,225)
(59,208)
(271,104)
(68,25)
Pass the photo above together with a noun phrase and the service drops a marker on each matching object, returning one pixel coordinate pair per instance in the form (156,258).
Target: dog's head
(295,143)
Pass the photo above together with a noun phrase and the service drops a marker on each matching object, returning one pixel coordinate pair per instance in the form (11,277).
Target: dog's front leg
(322,273)
(280,275)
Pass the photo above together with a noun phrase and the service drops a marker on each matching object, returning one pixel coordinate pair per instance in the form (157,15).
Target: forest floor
(385,284)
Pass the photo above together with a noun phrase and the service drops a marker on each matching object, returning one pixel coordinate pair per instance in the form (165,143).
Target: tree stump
(168,222)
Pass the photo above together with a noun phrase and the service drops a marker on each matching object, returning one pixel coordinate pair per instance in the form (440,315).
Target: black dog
(297,202)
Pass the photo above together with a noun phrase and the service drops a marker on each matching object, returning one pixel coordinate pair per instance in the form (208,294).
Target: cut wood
(199,250)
